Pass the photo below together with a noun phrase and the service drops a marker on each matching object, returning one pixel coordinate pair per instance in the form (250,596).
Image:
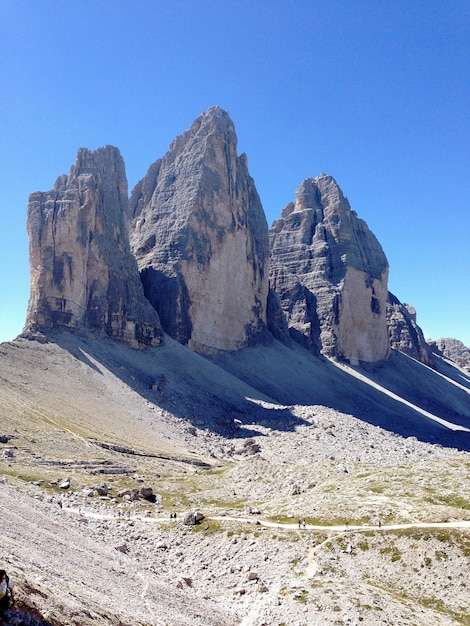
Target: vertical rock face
(405,334)
(82,271)
(331,274)
(201,240)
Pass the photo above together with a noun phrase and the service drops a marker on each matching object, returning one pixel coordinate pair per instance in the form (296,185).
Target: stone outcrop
(83,274)
(201,240)
(452,349)
(331,274)
(405,334)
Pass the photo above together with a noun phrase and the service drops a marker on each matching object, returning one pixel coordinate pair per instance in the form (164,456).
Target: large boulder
(83,274)
(200,237)
(331,274)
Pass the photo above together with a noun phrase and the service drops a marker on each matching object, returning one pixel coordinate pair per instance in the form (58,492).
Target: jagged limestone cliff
(200,237)
(83,274)
(405,334)
(331,274)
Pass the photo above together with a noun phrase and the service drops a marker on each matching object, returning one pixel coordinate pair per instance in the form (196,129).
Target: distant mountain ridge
(452,349)
(216,278)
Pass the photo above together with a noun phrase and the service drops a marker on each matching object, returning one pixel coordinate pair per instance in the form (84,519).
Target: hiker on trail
(7,599)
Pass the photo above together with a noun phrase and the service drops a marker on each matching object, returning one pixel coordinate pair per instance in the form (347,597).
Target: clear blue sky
(375,93)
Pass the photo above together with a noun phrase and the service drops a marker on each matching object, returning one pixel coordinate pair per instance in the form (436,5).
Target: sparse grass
(301,596)
(208,527)
(435,604)
(441,555)
(239,505)
(454,500)
(395,554)
(438,605)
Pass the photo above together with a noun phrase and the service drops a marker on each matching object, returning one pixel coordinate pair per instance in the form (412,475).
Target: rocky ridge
(404,332)
(452,349)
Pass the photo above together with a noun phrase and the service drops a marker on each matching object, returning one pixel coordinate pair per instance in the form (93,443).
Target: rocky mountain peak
(83,274)
(201,240)
(192,244)
(331,274)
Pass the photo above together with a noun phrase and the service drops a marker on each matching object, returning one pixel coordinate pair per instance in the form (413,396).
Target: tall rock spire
(82,271)
(200,237)
(331,274)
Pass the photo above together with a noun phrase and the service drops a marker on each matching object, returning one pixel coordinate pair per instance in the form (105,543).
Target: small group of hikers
(7,599)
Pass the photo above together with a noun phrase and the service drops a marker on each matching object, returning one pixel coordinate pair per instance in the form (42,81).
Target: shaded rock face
(331,274)
(276,320)
(452,349)
(201,240)
(405,334)
(82,271)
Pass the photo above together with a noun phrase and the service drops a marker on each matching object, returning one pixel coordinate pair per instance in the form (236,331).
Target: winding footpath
(339,528)
(345,528)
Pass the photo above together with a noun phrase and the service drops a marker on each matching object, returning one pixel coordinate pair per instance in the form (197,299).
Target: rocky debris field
(128,498)
(331,470)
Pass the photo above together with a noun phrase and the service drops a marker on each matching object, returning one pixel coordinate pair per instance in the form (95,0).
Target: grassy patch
(438,605)
(453,500)
(395,554)
(301,596)
(208,527)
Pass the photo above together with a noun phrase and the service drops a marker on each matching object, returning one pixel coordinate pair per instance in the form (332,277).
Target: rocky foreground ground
(306,509)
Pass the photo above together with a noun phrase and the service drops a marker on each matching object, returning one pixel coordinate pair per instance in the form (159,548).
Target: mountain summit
(83,274)
(200,237)
(331,274)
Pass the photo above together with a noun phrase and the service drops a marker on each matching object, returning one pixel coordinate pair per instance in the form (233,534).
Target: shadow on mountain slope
(230,392)
(183,383)
(400,395)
